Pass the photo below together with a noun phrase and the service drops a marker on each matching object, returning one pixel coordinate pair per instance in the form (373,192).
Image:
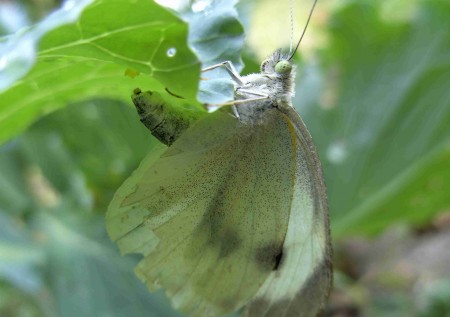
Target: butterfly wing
(210,215)
(300,286)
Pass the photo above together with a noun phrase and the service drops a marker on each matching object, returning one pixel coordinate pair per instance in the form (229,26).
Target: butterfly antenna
(291,13)
(304,30)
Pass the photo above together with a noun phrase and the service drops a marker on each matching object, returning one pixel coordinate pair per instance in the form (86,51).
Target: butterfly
(233,214)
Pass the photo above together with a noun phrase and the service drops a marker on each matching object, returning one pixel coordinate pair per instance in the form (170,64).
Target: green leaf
(110,48)
(414,196)
(384,142)
(90,56)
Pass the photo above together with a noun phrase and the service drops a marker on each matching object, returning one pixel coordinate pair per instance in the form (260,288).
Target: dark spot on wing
(228,241)
(278,260)
(214,229)
(270,256)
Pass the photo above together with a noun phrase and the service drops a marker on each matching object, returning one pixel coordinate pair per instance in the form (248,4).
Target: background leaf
(216,35)
(90,57)
(54,247)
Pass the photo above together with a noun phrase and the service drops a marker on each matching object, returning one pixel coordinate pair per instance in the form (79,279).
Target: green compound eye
(283,67)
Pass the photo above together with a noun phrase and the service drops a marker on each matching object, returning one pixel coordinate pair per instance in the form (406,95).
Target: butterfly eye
(283,67)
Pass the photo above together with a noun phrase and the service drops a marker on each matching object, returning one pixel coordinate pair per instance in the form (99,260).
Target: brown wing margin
(323,274)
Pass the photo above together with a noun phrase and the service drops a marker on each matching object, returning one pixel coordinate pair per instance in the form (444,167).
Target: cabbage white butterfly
(232,215)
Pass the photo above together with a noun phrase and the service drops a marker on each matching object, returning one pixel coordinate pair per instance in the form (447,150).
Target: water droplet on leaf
(171,52)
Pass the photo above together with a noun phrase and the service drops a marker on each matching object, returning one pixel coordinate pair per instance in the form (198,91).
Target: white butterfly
(233,215)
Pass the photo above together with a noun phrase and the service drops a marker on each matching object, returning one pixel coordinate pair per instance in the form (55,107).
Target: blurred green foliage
(385,133)
(375,100)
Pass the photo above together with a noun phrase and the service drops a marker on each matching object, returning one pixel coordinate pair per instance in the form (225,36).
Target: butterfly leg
(233,74)
(230,70)
(245,93)
(250,92)
(237,79)
(241,101)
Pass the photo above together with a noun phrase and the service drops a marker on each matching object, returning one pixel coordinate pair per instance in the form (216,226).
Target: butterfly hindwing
(300,286)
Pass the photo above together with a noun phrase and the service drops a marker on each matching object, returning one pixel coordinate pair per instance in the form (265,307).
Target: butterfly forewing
(211,214)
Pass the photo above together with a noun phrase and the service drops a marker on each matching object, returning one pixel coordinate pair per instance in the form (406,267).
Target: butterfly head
(277,64)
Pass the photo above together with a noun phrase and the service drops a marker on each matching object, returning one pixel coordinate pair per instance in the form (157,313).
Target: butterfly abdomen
(165,121)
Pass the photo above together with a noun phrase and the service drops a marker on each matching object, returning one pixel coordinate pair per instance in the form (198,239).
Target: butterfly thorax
(274,82)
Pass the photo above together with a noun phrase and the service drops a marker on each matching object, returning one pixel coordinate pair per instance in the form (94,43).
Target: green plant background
(373,92)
